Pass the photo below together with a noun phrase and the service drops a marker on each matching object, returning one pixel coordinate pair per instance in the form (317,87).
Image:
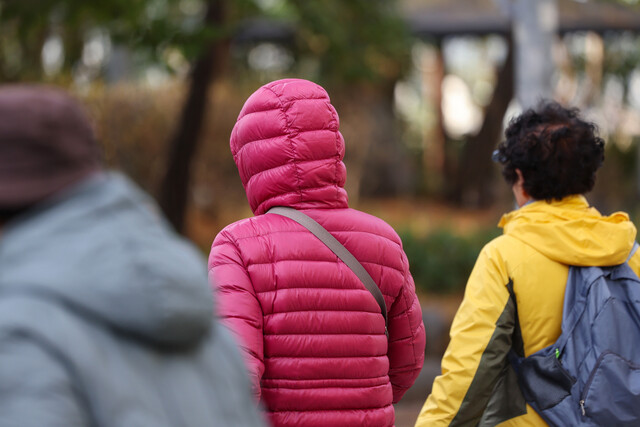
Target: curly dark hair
(556,150)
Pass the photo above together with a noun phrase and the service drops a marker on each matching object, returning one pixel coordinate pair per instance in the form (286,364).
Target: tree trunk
(435,158)
(174,190)
(474,178)
(387,171)
(535,23)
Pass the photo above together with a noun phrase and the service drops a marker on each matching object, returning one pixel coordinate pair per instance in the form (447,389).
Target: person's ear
(521,195)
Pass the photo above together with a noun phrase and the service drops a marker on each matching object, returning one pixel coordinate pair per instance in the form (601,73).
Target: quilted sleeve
(35,389)
(237,304)
(406,337)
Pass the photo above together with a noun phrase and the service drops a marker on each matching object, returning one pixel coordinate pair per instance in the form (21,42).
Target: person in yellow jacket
(550,158)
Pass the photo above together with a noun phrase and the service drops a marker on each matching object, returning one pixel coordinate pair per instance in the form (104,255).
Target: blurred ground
(437,313)
(409,407)
(407,413)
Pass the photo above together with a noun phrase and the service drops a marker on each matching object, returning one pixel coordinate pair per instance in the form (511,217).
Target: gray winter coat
(106,320)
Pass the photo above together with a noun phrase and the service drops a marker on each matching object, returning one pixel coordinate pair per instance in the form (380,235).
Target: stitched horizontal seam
(329,410)
(341,289)
(328,387)
(281,135)
(283,103)
(305,231)
(377,356)
(402,339)
(396,316)
(284,193)
(331,231)
(319,260)
(323,159)
(332,261)
(219,243)
(309,288)
(289,164)
(315,334)
(238,316)
(329,379)
(316,260)
(404,369)
(218,264)
(323,310)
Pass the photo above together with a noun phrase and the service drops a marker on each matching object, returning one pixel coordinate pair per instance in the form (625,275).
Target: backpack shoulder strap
(337,248)
(578,283)
(633,251)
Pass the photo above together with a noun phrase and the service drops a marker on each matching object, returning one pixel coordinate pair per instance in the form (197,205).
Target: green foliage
(622,55)
(442,261)
(349,41)
(148,27)
(354,40)
(337,42)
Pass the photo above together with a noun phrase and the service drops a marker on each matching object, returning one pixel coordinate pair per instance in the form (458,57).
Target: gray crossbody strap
(337,248)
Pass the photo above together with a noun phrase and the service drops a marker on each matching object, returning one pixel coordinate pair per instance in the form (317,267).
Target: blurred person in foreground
(105,313)
(549,158)
(314,336)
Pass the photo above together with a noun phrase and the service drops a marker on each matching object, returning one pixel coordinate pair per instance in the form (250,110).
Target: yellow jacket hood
(570,232)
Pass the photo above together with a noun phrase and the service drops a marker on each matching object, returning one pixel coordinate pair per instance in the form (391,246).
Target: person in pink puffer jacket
(313,335)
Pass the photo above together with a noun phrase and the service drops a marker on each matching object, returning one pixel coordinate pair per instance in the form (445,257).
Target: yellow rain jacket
(529,262)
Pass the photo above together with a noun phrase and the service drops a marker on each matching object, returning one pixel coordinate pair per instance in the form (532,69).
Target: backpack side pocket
(543,380)
(613,391)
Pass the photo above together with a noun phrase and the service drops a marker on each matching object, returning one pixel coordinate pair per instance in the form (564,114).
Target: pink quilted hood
(288,148)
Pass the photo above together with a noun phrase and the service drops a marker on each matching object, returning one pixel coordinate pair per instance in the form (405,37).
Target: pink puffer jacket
(313,335)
